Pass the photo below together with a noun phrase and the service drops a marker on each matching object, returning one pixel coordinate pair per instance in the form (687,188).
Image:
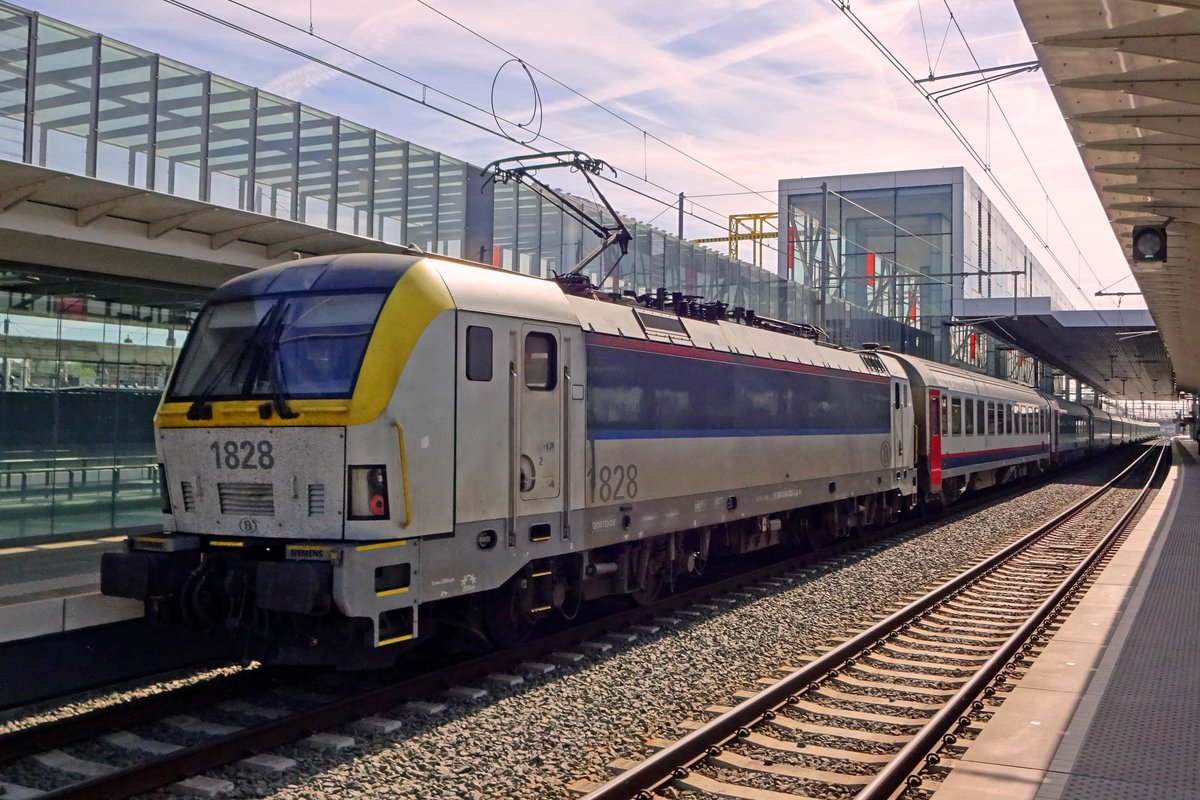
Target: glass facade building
(912,246)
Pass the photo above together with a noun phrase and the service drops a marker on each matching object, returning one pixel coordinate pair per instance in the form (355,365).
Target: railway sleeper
(927,645)
(904,688)
(865,699)
(799,726)
(711,786)
(736,761)
(798,748)
(847,714)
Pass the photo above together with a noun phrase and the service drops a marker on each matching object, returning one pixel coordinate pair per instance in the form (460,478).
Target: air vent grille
(316,499)
(255,499)
(189,495)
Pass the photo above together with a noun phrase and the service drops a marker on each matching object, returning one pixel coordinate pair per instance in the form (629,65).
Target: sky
(718,100)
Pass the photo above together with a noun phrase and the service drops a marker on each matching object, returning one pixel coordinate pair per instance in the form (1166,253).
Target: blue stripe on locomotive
(636,394)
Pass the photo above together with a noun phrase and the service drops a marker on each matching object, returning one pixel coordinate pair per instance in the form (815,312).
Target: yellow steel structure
(747,228)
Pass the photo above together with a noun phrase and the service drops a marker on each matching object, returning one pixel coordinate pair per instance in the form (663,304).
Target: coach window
(945,415)
(479,353)
(980,417)
(991,418)
(540,362)
(1008,419)
(969,417)
(956,416)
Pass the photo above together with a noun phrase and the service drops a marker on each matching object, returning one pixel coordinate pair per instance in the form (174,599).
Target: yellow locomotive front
(287,483)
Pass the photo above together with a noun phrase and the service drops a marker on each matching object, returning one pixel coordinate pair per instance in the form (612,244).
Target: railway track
(865,719)
(259,721)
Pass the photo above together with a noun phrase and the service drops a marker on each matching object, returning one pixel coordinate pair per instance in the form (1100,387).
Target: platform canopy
(1126,74)
(1117,352)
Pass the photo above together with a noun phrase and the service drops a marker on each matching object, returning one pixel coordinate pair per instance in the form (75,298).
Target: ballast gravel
(534,739)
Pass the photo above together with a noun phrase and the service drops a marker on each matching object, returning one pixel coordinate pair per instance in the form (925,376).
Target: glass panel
(956,413)
(180,132)
(124,124)
(391,169)
(540,360)
(552,227)
(317,142)
(230,122)
(63,102)
(299,345)
(479,353)
(275,157)
(529,226)
(969,417)
(422,189)
(82,365)
(354,180)
(14,63)
(452,204)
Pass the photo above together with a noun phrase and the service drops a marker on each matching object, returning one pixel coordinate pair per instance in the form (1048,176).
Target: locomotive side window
(897,395)
(956,416)
(541,359)
(969,416)
(479,353)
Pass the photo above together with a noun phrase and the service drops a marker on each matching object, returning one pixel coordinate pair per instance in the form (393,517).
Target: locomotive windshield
(278,347)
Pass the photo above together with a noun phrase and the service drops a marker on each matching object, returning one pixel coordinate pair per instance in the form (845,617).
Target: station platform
(55,587)
(1111,707)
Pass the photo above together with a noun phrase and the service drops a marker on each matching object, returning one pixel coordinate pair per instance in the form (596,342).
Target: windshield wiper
(265,346)
(257,344)
(201,408)
(279,389)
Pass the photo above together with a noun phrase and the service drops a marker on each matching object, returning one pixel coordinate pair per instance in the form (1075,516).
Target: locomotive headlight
(368,493)
(164,496)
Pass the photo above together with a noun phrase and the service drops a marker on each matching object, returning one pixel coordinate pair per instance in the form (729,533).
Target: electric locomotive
(358,446)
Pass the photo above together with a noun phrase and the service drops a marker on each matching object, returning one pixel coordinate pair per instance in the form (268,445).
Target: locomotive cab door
(538,388)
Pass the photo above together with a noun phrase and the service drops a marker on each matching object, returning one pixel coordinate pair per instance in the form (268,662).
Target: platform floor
(55,587)
(1111,708)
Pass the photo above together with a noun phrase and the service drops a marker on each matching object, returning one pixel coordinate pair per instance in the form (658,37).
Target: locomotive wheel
(650,591)
(655,576)
(506,619)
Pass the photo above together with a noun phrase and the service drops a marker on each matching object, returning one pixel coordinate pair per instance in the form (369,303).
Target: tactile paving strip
(1144,738)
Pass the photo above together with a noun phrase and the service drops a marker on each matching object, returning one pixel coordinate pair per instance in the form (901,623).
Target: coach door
(538,390)
(935,440)
(1055,447)
(902,426)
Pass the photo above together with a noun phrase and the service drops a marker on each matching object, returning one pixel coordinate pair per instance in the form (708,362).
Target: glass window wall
(83,360)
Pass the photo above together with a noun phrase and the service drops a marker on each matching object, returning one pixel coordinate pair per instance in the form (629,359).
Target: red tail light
(367,493)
